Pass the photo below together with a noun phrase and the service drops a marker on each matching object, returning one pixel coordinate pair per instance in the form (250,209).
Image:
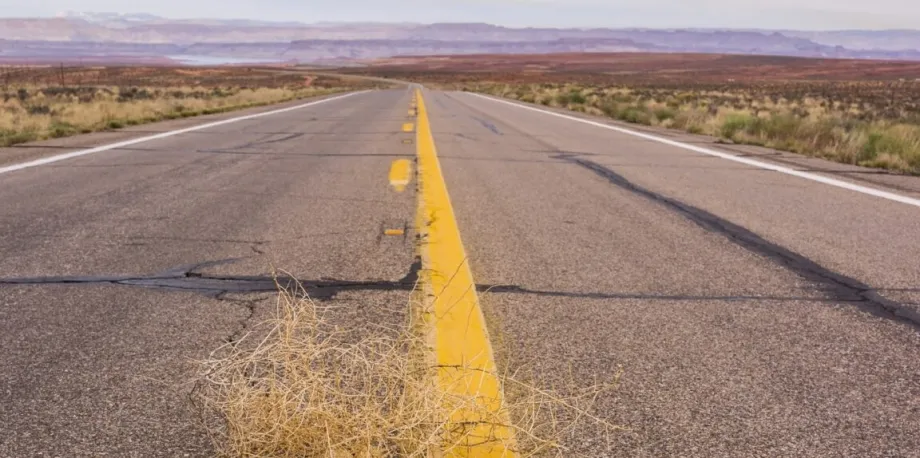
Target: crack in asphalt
(515,289)
(250,306)
(836,285)
(266,140)
(185,278)
(204,240)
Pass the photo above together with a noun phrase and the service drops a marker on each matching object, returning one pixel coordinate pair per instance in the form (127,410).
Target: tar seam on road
(842,288)
(488,125)
(838,286)
(61,157)
(327,289)
(186,278)
(462,350)
(731,157)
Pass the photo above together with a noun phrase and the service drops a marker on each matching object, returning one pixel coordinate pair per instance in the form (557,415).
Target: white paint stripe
(763,165)
(65,156)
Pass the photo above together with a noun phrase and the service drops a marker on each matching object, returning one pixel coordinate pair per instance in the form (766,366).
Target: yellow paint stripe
(463,354)
(408,127)
(400,174)
(394,232)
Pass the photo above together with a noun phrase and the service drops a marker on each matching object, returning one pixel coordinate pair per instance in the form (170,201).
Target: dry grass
(153,76)
(35,113)
(307,389)
(872,129)
(40,103)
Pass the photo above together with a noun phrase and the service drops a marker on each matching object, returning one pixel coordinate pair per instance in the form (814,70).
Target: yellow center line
(408,127)
(400,174)
(467,373)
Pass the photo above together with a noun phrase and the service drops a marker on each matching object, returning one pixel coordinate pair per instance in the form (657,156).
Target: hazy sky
(775,14)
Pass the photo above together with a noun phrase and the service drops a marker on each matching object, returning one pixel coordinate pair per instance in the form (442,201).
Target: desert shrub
(62,129)
(735,124)
(664,114)
(133,93)
(899,140)
(852,122)
(38,110)
(11,137)
(636,115)
(610,108)
(577,97)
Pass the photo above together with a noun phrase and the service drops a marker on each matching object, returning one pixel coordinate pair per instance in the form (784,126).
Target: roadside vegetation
(37,104)
(865,123)
(298,386)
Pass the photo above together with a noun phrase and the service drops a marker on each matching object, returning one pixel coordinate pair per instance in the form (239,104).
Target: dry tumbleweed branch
(307,390)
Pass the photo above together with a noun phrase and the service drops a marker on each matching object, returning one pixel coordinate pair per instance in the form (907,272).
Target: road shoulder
(26,152)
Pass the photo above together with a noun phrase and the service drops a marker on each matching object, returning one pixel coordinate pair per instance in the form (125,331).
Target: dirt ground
(634,67)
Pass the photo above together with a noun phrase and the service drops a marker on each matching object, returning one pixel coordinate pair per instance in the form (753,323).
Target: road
(751,312)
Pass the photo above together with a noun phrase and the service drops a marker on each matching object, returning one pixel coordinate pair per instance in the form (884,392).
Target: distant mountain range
(92,36)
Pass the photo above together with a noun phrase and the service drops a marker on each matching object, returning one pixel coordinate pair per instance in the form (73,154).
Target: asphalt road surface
(751,312)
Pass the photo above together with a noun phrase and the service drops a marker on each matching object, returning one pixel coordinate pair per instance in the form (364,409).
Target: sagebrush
(871,128)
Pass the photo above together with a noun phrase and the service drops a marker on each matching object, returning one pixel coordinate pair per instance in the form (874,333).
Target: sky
(765,14)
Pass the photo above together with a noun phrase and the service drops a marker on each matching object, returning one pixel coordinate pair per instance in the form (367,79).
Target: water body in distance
(188,59)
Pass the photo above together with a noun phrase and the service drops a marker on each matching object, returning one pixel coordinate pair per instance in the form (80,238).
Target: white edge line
(763,165)
(99,149)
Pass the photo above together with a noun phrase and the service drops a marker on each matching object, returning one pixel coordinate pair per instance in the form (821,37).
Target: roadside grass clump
(736,123)
(860,124)
(663,114)
(31,113)
(636,114)
(298,386)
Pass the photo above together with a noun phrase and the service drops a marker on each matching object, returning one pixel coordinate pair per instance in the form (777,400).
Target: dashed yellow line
(467,374)
(408,127)
(400,174)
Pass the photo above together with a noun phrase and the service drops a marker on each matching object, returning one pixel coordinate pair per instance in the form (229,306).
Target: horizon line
(75,15)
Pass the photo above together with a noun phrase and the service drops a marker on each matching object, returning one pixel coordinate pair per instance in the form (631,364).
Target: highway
(751,311)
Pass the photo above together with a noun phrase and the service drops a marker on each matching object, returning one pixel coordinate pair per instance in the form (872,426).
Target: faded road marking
(462,351)
(62,157)
(731,157)
(408,127)
(400,174)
